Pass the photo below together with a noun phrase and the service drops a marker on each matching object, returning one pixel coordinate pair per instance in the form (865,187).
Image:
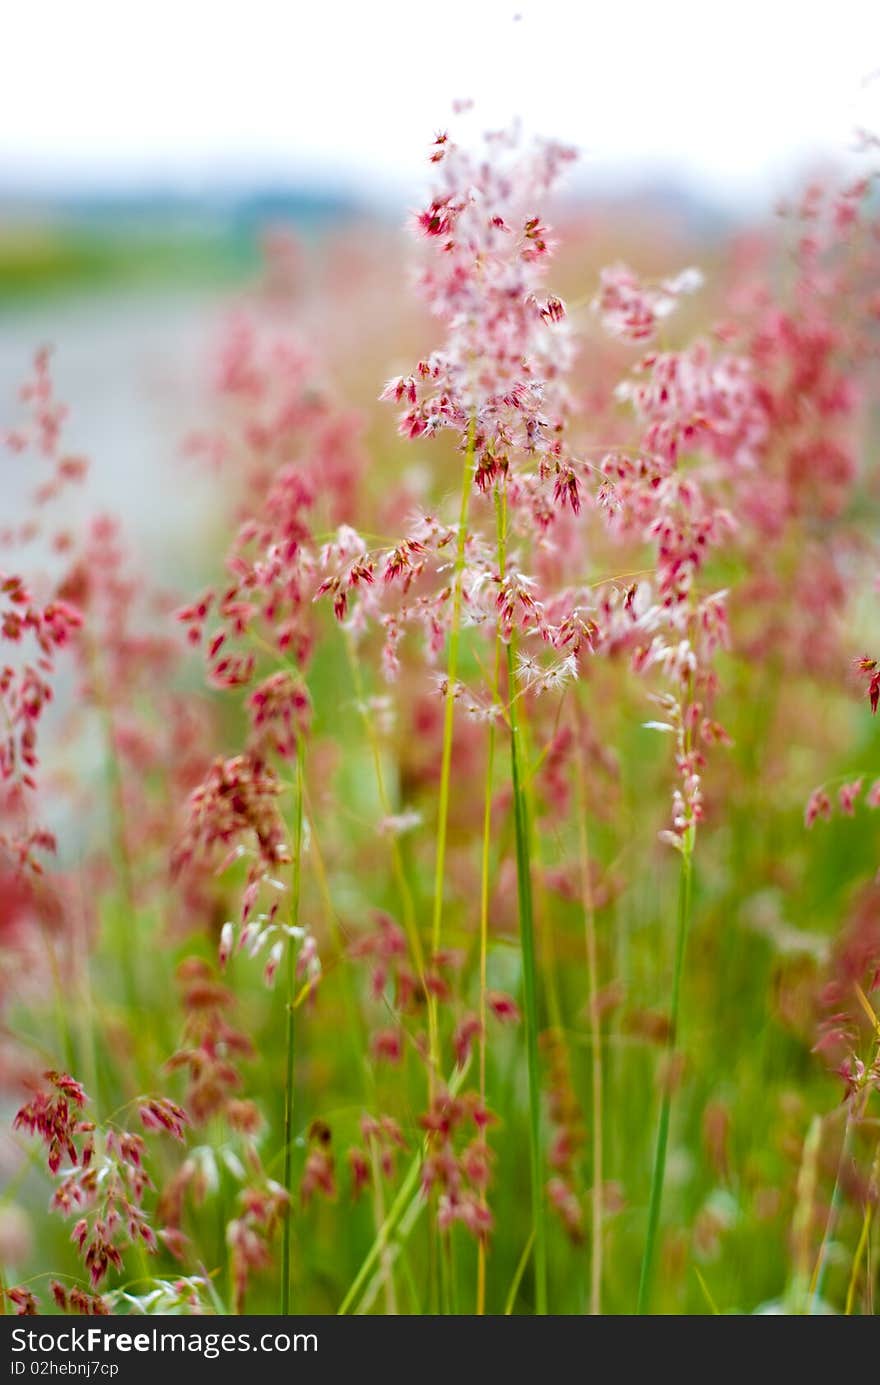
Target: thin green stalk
(356,1032)
(404,1229)
(485,862)
(407,903)
(378,1218)
(484,959)
(291,1034)
(529,764)
(861,1245)
(598,1211)
(518,1274)
(805,1197)
(527,943)
(530,996)
(817,1283)
(446,757)
(408,1188)
(408,910)
(646,1278)
(451,1273)
(707,1293)
(402,1215)
(449,704)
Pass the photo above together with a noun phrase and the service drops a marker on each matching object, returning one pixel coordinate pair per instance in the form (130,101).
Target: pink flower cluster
(107,1180)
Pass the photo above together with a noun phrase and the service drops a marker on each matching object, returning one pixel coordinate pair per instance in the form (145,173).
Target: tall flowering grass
(439,929)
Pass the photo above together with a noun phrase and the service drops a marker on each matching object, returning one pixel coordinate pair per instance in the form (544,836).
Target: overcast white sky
(727,95)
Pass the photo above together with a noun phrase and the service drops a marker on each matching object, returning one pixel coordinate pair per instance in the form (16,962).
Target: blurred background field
(137,183)
(134,224)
